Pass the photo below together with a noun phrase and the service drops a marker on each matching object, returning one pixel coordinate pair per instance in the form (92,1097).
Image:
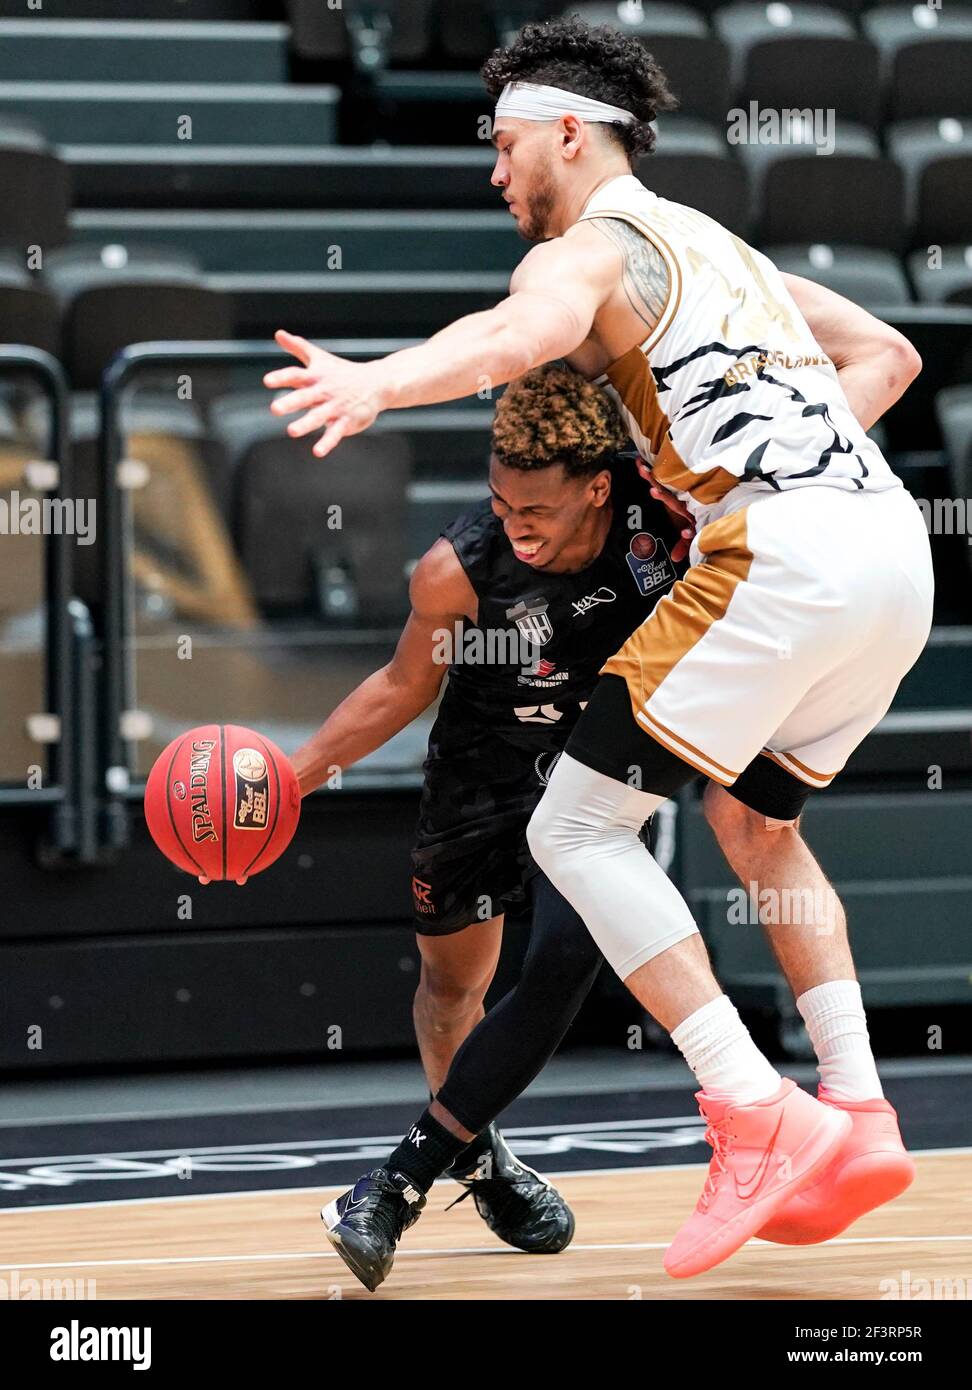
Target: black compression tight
(517,1038)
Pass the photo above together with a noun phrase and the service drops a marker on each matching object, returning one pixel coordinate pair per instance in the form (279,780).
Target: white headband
(528,101)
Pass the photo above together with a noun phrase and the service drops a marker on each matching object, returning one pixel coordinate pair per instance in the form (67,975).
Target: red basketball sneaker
(871,1167)
(763,1155)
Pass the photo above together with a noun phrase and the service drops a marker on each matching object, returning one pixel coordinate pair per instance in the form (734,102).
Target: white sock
(834,1015)
(728,1064)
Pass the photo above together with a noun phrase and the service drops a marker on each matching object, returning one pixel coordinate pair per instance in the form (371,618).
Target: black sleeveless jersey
(528,665)
(503,723)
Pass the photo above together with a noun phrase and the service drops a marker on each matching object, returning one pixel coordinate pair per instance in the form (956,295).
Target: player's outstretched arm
(554,294)
(382,705)
(875,363)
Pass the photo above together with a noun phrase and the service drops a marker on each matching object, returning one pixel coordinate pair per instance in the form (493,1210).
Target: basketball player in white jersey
(748,393)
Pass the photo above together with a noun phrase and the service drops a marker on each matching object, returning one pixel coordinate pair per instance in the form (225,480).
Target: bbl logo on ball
(649,562)
(252,789)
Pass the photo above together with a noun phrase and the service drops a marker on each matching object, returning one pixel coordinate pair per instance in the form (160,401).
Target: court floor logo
(162,1168)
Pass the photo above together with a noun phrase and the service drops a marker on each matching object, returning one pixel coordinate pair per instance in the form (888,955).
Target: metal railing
(65,789)
(117,687)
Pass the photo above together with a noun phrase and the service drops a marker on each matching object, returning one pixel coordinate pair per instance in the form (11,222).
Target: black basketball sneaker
(517,1204)
(365,1224)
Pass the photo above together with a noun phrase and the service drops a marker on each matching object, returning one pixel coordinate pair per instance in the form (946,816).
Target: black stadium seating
(29,313)
(36,212)
(112,295)
(213,170)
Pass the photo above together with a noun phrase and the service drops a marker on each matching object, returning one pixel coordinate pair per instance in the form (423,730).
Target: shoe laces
(502,1194)
(717,1135)
(391,1217)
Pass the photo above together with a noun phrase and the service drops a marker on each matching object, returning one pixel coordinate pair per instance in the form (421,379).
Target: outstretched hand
(338,396)
(677,511)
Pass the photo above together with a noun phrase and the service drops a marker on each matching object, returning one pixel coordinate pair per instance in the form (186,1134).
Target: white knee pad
(584,836)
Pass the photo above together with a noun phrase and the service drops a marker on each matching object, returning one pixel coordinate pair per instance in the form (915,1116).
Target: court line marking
(152,1261)
(321,1189)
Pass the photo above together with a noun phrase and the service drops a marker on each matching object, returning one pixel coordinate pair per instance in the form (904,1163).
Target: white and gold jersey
(730,394)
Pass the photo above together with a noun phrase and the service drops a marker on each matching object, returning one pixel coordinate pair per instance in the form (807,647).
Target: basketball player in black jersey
(523,598)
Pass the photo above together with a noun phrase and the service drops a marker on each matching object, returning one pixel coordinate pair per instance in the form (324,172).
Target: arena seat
(928,152)
(926,55)
(945,201)
(433,505)
(114,295)
(371,35)
(942,334)
(759,152)
(79,50)
(19,133)
(849,199)
(170,437)
(869,277)
(30,314)
(953,410)
(800,56)
(695,62)
(37,194)
(71,268)
(468,33)
(939,280)
(707,179)
(343,574)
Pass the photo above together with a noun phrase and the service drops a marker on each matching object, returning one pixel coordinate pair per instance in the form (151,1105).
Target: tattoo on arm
(645,278)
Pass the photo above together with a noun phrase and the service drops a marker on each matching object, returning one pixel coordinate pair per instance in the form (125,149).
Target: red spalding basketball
(222,802)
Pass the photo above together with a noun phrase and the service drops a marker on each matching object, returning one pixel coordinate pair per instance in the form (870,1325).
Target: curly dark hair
(552,414)
(593,61)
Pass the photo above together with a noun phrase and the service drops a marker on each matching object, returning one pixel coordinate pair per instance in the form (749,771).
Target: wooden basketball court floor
(270,1245)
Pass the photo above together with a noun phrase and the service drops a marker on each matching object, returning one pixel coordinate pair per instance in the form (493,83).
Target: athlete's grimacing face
(549,519)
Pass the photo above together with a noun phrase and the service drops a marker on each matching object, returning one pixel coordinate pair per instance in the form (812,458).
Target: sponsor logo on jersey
(252,789)
(754,364)
(420,897)
(649,563)
(531,617)
(540,680)
(589,601)
(202,821)
(538,714)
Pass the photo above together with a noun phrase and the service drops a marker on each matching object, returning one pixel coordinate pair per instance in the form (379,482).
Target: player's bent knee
(448,996)
(541,833)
